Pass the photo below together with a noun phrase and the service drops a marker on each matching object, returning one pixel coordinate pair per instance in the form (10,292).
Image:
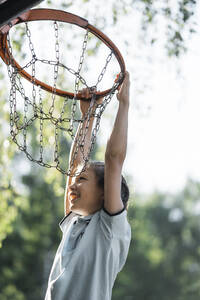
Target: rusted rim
(62,16)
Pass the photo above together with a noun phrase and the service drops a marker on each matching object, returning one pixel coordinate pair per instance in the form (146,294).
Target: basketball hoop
(33,105)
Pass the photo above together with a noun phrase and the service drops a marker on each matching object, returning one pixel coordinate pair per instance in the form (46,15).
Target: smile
(73,197)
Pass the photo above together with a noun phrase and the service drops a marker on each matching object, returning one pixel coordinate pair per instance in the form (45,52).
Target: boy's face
(85,196)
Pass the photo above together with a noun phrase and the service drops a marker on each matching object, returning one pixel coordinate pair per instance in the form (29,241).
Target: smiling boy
(96,233)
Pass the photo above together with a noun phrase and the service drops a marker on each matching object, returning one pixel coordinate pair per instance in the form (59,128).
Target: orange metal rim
(62,16)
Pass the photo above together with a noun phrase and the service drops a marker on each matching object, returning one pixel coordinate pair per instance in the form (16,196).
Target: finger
(119,87)
(99,100)
(117,77)
(126,79)
(127,74)
(82,92)
(126,82)
(85,93)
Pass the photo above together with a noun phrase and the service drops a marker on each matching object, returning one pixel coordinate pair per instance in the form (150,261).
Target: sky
(163,140)
(164,146)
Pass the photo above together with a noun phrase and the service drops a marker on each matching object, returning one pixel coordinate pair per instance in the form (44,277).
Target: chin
(75,210)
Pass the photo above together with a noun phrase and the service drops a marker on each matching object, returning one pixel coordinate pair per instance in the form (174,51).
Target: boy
(96,233)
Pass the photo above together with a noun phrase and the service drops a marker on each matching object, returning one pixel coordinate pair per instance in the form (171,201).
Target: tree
(27,254)
(163,261)
(178,23)
(31,205)
(177,19)
(10,198)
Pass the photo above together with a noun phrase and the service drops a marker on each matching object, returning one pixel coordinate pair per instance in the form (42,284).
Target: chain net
(50,119)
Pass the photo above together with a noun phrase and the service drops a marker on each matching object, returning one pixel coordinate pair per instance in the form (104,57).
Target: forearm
(117,143)
(116,152)
(79,157)
(86,134)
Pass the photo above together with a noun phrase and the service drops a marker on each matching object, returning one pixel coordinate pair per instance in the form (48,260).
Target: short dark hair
(98,168)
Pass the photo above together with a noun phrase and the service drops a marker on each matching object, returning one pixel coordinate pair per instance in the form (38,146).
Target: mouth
(73,197)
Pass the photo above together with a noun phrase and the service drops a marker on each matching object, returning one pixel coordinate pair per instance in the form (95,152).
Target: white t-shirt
(93,250)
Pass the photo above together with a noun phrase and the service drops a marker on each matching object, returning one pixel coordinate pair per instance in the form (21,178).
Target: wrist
(87,122)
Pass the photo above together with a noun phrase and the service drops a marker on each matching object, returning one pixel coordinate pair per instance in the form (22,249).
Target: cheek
(84,188)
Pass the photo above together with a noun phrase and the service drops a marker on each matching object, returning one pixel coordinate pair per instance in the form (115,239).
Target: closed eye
(82,178)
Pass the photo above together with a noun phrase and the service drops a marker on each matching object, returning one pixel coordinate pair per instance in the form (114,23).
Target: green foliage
(163,261)
(163,257)
(10,292)
(180,15)
(34,240)
(10,200)
(177,20)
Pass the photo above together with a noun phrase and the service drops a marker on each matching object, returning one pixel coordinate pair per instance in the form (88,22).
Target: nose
(72,186)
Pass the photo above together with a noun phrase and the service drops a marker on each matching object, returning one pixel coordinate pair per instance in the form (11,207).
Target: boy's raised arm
(116,152)
(84,106)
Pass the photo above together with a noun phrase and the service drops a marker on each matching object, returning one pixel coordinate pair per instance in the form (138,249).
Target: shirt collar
(85,217)
(63,223)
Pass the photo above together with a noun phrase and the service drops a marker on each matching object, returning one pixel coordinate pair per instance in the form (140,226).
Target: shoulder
(115,225)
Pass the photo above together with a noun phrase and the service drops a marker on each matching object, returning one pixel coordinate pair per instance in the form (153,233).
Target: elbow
(114,157)
(115,153)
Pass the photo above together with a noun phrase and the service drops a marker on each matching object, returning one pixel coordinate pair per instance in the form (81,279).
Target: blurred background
(159,40)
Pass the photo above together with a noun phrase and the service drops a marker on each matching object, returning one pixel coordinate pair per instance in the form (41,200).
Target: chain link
(94,111)
(104,68)
(57,53)
(41,124)
(74,101)
(28,33)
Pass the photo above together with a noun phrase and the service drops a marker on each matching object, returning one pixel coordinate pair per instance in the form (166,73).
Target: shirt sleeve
(115,225)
